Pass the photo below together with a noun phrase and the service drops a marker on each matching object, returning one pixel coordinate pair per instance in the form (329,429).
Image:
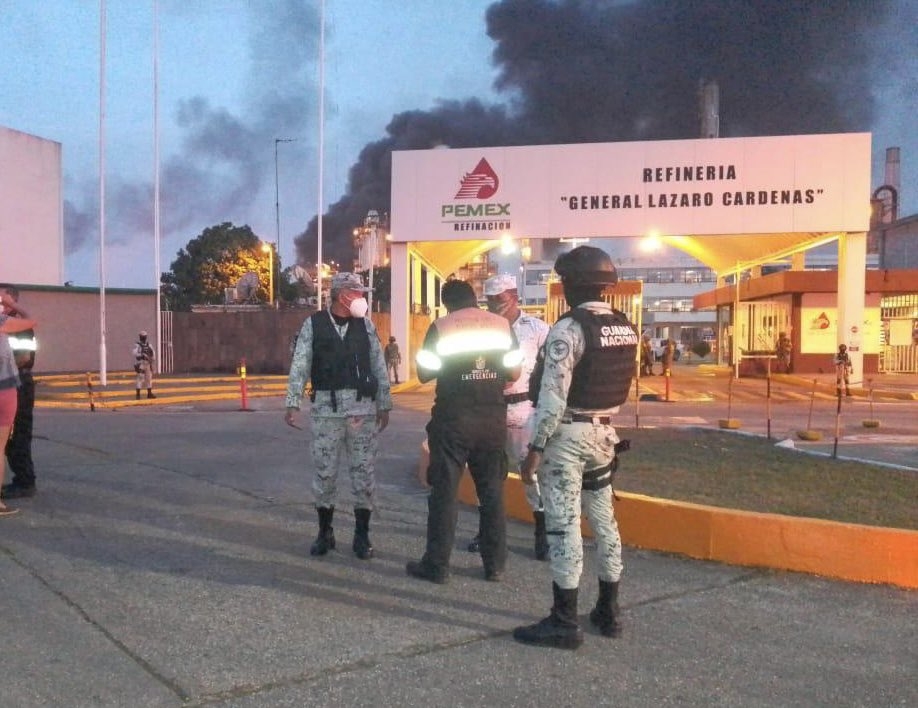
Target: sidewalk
(165,562)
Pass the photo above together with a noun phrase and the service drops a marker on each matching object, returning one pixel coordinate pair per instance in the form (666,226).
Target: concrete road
(164,562)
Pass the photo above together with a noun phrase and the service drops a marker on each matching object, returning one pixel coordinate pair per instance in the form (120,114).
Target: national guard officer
(503,300)
(19,446)
(338,350)
(589,361)
(471,353)
(843,368)
(143,365)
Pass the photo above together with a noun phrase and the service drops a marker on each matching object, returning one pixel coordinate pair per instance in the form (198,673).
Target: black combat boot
(325,541)
(362,546)
(150,393)
(541,539)
(560,628)
(138,394)
(606,613)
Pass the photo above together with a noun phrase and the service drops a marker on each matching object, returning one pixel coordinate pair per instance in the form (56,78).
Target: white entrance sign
(726,201)
(792,184)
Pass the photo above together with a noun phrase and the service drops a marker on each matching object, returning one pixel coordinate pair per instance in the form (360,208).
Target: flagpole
(321,195)
(103,364)
(156,222)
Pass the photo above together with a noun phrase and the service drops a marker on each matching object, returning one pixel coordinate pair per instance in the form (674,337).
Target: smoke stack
(886,197)
(709,97)
(893,174)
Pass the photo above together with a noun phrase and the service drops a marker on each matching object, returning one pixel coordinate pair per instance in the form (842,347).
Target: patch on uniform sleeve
(558,350)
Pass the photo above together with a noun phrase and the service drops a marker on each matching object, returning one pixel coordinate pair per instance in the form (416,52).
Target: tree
(214,261)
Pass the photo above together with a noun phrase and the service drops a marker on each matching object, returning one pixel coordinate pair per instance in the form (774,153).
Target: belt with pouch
(581,418)
(512,398)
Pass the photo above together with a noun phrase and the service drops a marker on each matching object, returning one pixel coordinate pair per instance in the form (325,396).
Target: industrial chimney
(709,106)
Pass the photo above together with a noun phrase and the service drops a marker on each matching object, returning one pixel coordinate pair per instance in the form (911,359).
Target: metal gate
(758,325)
(899,347)
(166,361)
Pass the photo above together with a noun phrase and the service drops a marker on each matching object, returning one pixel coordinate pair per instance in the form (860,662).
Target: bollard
(243,386)
(92,404)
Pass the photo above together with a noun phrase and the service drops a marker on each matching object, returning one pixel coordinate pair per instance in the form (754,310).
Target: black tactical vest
(341,363)
(602,377)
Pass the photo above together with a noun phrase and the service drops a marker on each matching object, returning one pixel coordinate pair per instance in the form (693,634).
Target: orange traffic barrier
(243,387)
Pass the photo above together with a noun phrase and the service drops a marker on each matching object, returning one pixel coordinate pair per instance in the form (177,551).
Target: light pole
(372,225)
(269,249)
(277,188)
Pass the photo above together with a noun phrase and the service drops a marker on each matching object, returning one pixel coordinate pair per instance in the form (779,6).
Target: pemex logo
(480,183)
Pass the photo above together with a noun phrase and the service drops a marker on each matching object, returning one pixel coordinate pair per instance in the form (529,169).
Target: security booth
(805,304)
(732,203)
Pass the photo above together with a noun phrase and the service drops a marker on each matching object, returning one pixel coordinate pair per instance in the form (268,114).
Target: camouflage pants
(517,449)
(144,378)
(355,437)
(576,448)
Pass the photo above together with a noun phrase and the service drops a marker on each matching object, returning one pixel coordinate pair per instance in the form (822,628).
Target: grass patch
(744,472)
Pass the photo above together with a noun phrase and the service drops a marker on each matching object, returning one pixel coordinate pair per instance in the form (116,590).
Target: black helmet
(586,265)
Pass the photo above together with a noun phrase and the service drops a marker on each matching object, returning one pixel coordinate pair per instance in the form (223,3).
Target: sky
(236,75)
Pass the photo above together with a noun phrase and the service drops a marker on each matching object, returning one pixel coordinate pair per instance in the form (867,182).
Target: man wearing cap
(143,366)
(338,350)
(501,292)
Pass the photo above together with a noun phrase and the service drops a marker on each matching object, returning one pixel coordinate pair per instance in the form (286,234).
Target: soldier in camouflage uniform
(589,363)
(503,300)
(338,350)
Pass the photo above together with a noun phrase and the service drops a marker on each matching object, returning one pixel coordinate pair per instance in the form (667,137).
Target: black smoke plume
(224,159)
(577,71)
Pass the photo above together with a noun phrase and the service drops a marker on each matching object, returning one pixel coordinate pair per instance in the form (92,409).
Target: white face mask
(359,307)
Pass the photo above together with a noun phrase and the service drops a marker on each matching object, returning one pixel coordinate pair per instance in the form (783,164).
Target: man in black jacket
(19,446)
(471,353)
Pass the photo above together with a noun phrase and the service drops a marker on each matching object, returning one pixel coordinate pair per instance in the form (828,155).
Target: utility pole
(277,191)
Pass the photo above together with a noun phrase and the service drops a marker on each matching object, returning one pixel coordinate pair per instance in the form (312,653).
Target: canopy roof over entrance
(723,254)
(728,202)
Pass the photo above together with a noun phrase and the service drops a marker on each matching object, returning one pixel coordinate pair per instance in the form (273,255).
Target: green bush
(701,349)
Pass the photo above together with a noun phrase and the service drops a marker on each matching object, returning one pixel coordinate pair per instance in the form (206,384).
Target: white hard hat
(497,284)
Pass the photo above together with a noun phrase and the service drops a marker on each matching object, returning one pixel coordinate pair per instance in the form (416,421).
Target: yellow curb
(112,403)
(867,554)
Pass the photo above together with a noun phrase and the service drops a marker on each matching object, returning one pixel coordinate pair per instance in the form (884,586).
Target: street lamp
(372,225)
(277,189)
(269,249)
